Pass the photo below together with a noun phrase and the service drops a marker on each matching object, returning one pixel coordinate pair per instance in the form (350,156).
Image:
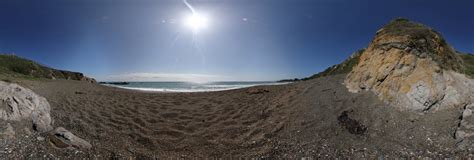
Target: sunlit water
(190,87)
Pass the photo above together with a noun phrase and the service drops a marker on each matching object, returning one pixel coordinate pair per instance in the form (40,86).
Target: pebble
(40,138)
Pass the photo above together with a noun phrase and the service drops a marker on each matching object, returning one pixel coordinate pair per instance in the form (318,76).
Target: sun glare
(197,22)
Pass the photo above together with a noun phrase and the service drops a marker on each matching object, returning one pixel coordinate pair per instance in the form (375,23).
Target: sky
(243,40)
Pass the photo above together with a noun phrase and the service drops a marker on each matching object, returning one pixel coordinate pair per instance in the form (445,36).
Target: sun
(197,22)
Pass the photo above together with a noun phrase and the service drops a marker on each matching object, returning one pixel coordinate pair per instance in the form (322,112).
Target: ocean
(189,86)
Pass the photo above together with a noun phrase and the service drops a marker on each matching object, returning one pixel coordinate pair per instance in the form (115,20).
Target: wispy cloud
(165,77)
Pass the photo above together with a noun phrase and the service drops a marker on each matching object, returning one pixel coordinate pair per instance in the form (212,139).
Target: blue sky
(244,39)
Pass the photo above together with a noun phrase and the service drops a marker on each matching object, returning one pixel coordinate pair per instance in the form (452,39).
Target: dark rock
(115,83)
(351,125)
(257,91)
(77,92)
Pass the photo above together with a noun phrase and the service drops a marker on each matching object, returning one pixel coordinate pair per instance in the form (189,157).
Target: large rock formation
(21,104)
(411,67)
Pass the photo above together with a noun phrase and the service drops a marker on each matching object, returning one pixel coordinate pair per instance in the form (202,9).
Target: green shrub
(468,64)
(13,65)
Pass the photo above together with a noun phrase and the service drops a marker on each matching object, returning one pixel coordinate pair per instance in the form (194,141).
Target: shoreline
(178,90)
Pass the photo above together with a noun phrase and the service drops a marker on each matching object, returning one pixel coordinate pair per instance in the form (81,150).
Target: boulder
(62,138)
(21,104)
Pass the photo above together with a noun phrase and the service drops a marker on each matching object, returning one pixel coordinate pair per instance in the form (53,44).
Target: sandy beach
(315,118)
(236,79)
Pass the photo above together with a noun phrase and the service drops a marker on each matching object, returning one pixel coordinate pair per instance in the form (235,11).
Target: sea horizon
(182,86)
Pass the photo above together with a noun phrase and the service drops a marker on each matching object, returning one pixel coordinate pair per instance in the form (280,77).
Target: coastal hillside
(342,68)
(14,66)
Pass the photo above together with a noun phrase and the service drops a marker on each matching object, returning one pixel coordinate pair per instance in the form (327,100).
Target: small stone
(40,138)
(467,112)
(27,131)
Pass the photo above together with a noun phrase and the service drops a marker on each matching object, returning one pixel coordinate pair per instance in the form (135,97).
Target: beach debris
(257,91)
(21,104)
(62,138)
(78,92)
(351,125)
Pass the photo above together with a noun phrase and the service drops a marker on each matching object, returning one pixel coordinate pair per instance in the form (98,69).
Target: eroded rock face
(21,104)
(411,67)
(60,74)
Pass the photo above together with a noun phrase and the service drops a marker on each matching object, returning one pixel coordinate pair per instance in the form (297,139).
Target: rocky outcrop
(411,67)
(68,75)
(21,104)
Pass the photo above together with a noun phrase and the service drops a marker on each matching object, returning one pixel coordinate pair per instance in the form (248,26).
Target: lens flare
(196,22)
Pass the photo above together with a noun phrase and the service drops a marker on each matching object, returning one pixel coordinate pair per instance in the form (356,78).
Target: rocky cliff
(412,67)
(11,65)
